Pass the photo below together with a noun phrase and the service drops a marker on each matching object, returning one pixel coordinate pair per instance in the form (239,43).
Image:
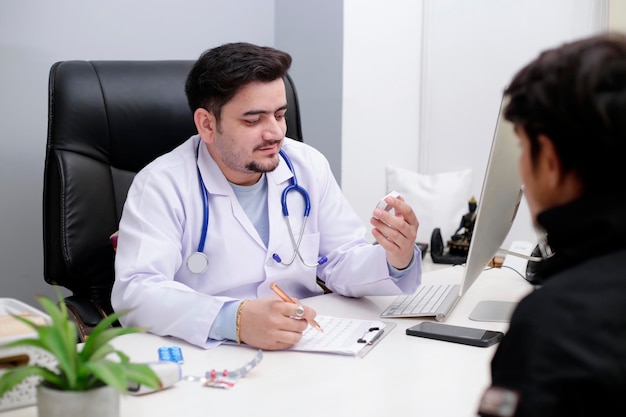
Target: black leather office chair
(106,121)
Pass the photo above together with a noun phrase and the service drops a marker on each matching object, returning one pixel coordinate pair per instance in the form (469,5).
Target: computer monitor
(497,206)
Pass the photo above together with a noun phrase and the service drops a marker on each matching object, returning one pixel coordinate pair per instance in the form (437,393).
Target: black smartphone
(456,334)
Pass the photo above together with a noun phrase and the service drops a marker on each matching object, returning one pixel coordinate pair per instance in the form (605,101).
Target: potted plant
(95,369)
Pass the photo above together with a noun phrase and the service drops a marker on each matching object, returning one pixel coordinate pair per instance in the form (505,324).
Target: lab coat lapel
(277,181)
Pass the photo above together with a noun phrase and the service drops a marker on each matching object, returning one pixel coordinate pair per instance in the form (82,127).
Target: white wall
(381,95)
(470,49)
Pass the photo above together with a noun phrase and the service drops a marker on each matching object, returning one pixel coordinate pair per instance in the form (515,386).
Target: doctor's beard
(235,158)
(267,165)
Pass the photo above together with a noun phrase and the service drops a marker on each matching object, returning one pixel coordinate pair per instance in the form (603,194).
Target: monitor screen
(497,206)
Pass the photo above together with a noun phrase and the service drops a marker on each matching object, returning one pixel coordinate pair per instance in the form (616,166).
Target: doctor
(209,226)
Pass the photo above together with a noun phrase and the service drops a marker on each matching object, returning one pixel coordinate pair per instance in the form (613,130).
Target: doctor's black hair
(575,94)
(218,75)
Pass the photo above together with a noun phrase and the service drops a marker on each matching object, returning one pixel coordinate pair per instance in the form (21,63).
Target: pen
(283,296)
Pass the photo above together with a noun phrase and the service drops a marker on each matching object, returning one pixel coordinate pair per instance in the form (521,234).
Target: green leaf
(60,319)
(50,339)
(55,313)
(103,326)
(102,352)
(14,376)
(26,342)
(101,345)
(54,342)
(103,333)
(61,336)
(111,373)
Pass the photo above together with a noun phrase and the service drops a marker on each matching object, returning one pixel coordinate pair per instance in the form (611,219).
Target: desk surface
(400,375)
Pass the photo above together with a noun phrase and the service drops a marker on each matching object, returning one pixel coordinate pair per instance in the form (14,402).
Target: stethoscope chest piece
(197,262)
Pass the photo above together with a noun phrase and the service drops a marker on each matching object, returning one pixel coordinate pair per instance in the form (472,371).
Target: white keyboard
(427,301)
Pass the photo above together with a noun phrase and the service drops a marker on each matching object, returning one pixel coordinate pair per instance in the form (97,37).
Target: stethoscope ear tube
(198,262)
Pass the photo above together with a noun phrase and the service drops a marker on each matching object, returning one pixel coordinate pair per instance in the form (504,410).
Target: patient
(565,351)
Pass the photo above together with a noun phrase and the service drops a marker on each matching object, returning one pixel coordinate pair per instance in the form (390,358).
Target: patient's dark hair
(221,72)
(576,95)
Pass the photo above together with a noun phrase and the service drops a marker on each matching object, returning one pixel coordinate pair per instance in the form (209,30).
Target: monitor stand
(494,311)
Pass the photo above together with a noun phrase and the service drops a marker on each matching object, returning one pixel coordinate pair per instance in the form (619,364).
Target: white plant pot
(98,402)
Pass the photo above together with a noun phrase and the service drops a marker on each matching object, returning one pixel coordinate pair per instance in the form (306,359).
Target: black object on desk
(456,334)
(423,248)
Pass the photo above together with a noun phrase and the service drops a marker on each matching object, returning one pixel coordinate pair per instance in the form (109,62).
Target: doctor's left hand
(268,323)
(396,232)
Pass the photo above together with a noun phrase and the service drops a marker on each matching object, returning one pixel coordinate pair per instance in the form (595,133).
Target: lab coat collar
(281,174)
(215,181)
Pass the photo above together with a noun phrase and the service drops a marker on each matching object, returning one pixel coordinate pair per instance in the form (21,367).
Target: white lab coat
(162,223)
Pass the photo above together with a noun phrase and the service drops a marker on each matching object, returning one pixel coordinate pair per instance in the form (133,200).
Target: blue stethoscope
(198,262)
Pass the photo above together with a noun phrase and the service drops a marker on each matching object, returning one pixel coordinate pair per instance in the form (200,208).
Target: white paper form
(353,337)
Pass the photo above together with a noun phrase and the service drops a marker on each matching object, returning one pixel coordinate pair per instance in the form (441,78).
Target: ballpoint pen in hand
(283,296)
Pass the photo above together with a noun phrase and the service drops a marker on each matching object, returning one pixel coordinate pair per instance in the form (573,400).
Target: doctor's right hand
(396,232)
(268,323)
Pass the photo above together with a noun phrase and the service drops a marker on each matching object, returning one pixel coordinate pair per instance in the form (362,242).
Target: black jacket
(565,350)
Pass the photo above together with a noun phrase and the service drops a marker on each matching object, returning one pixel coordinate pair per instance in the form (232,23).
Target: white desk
(402,375)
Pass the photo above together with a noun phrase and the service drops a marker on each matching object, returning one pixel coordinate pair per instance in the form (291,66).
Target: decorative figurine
(459,242)
(458,245)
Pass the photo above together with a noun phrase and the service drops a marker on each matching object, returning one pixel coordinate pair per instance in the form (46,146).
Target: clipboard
(343,336)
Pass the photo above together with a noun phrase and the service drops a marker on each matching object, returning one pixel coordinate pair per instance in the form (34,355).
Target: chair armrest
(85,312)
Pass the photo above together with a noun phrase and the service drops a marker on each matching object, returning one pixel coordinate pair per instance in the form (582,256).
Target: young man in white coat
(203,232)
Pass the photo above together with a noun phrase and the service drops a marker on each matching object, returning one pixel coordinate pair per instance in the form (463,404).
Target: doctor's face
(246,140)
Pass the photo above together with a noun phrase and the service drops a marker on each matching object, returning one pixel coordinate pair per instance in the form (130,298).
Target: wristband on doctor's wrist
(238,320)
